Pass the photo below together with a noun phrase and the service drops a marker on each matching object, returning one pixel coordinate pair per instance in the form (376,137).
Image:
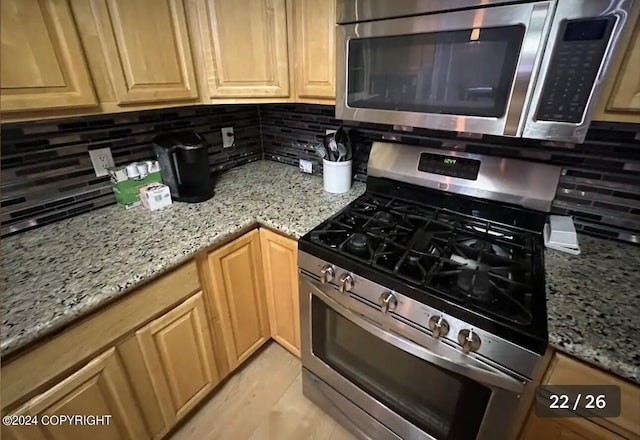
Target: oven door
(410,384)
(467,71)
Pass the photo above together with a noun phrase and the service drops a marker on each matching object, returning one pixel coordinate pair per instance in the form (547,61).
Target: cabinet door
(238,291)
(280,260)
(245,47)
(626,94)
(565,429)
(620,100)
(178,355)
(146,49)
(41,60)
(314,23)
(100,388)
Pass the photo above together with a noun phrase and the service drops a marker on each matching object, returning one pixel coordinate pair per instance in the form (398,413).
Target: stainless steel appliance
(422,303)
(184,165)
(527,69)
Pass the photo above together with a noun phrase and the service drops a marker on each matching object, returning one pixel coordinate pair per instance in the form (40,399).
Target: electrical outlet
(101,159)
(228,138)
(306,166)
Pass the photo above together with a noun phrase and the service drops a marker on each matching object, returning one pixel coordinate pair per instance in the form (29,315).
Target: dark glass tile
(11,202)
(71,126)
(611,206)
(584,174)
(627,195)
(26,212)
(584,215)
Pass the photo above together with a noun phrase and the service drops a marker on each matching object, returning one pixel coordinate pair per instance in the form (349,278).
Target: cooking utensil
(342,152)
(320,151)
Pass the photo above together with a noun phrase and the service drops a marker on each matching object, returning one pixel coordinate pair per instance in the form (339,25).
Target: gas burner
(485,246)
(358,243)
(384,217)
(476,284)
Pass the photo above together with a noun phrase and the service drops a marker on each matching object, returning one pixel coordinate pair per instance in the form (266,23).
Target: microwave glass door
(443,404)
(463,72)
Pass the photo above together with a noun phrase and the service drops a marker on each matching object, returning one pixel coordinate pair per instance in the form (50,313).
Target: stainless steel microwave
(524,69)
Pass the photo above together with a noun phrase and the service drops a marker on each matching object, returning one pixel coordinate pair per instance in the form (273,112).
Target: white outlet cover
(228,138)
(306,166)
(101,159)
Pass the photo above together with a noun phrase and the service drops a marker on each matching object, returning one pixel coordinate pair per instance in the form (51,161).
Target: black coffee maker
(184,165)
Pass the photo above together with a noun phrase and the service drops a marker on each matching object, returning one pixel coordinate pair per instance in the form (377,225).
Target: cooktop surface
(490,269)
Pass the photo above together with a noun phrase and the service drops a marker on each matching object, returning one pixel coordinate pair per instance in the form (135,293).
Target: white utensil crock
(337,176)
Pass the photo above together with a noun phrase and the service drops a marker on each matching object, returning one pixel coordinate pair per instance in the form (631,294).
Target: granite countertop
(54,274)
(593,304)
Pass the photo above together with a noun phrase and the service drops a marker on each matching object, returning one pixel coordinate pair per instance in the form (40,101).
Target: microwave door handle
(481,375)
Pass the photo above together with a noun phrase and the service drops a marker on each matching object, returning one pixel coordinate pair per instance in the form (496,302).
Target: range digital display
(460,167)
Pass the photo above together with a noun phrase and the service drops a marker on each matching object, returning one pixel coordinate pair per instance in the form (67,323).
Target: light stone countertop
(593,304)
(55,274)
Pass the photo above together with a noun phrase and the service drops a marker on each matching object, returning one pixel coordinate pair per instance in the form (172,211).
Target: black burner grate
(478,264)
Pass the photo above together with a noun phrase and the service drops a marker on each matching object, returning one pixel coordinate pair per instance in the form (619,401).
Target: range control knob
(468,340)
(326,274)
(346,283)
(438,326)
(387,302)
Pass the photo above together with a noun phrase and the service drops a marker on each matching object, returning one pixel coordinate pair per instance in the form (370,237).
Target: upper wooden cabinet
(620,100)
(314,29)
(41,61)
(145,45)
(280,260)
(237,291)
(100,388)
(244,47)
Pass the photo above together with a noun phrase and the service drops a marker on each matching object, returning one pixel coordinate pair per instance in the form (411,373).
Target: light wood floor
(264,401)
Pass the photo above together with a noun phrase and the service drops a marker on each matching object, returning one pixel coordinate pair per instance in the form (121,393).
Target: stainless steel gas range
(422,303)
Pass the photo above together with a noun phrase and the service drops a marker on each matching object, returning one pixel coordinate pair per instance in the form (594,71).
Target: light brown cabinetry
(237,291)
(314,49)
(99,388)
(565,370)
(620,100)
(243,47)
(178,356)
(145,46)
(280,263)
(565,429)
(41,59)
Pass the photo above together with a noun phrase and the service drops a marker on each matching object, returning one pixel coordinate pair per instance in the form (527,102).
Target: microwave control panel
(573,69)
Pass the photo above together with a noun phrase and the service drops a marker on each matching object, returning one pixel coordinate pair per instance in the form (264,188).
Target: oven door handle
(481,375)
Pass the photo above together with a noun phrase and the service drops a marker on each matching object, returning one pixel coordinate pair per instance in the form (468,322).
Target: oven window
(467,72)
(441,403)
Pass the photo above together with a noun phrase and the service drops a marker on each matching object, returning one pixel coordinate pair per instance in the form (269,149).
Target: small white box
(560,234)
(155,196)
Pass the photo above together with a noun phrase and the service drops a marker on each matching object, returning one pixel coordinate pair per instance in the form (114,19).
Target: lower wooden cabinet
(99,388)
(565,429)
(177,352)
(564,370)
(237,291)
(280,264)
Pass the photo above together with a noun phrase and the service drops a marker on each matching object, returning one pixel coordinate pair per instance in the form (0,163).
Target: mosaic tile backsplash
(599,187)
(47,174)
